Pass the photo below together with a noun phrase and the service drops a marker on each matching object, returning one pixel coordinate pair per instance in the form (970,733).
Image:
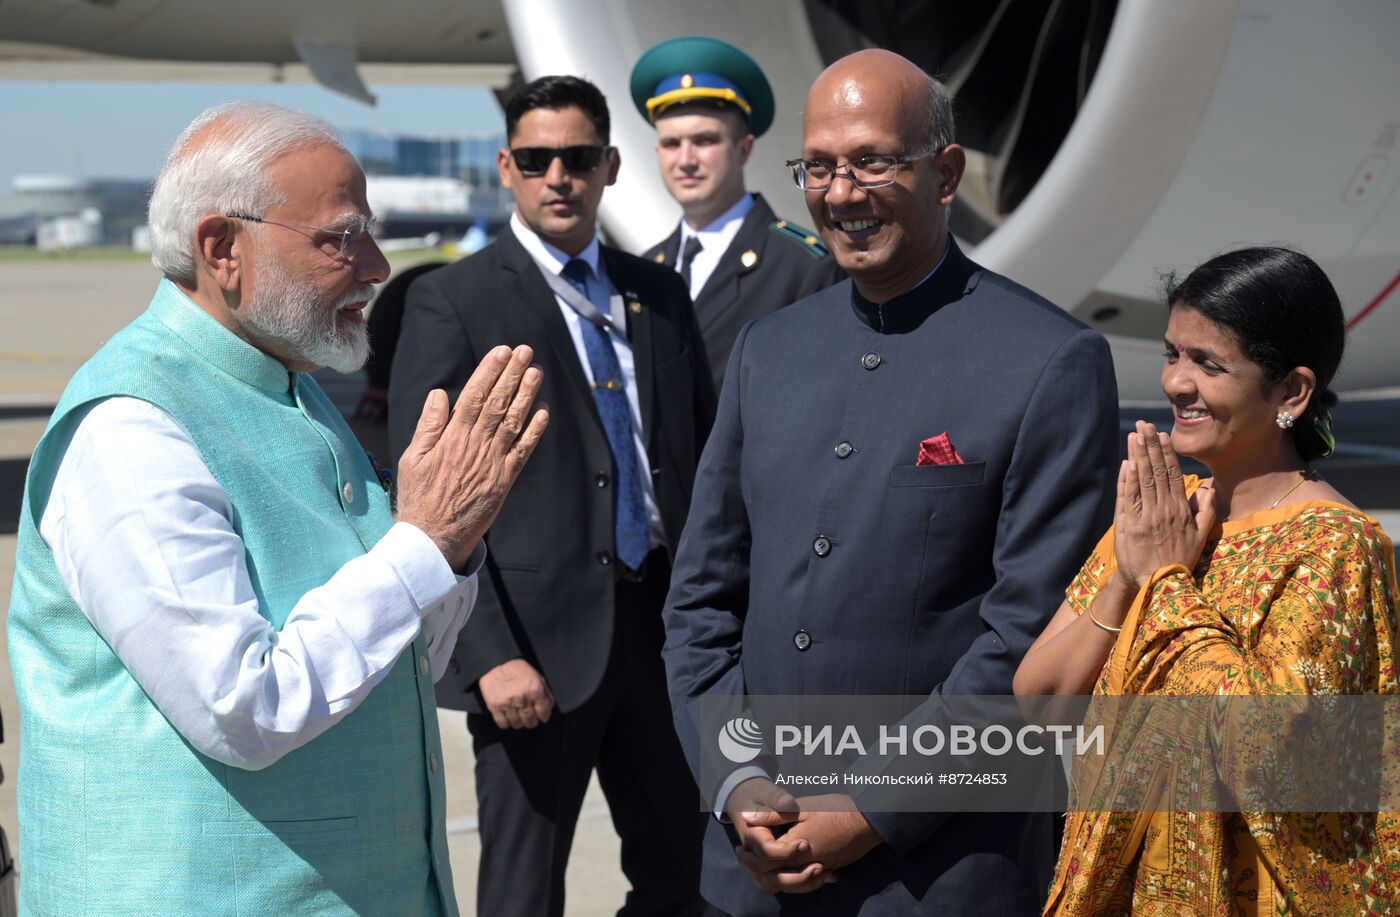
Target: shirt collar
(720,224)
(948,244)
(547,255)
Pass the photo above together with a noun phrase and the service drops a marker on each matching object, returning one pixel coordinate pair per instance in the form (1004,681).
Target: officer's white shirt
(600,291)
(715,237)
(141,535)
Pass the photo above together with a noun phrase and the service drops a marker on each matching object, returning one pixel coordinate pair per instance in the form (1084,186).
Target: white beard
(294,316)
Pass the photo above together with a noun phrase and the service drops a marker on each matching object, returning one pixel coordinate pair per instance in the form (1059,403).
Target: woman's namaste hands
(1155,524)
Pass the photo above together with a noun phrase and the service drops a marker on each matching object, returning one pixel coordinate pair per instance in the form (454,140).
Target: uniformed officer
(708,101)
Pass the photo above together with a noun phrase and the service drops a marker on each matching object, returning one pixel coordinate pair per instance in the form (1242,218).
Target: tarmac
(55,313)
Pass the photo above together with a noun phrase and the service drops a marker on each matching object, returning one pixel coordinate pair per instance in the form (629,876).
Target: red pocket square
(938,450)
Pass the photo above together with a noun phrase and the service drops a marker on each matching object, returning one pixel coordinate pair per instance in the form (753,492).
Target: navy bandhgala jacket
(819,558)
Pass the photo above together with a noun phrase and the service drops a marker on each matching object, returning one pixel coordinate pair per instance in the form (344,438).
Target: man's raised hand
(457,471)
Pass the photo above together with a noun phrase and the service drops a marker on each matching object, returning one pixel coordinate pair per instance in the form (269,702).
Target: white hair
(218,165)
(940,115)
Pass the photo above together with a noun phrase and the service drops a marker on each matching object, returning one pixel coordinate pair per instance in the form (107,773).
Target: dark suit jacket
(547,589)
(820,559)
(385,320)
(784,268)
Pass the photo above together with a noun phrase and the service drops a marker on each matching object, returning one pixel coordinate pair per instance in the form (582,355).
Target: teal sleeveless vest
(118,814)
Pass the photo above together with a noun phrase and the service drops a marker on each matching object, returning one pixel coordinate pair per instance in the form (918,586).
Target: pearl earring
(1285,420)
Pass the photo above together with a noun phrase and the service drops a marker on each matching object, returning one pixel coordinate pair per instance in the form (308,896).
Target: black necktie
(692,248)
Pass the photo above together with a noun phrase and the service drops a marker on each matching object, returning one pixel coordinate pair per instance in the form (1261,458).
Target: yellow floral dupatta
(1296,600)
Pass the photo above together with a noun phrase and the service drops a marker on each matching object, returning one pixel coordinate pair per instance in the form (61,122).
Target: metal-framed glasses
(346,241)
(865,173)
(534,161)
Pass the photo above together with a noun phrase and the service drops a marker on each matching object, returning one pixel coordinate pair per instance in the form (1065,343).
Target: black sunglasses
(533,161)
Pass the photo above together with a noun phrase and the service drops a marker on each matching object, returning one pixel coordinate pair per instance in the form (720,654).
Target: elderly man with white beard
(224,642)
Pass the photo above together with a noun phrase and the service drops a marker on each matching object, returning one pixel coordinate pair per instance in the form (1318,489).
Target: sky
(122,130)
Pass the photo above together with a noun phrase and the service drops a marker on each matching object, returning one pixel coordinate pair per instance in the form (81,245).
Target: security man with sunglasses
(709,101)
(559,667)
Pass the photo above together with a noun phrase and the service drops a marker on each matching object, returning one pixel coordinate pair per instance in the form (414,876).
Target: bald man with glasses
(559,667)
(904,474)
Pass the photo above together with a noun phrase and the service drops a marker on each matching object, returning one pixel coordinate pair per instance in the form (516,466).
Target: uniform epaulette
(804,237)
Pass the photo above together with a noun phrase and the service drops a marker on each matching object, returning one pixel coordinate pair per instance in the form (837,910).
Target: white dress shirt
(600,291)
(147,550)
(714,237)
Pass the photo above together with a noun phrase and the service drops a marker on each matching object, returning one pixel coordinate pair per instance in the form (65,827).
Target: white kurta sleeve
(141,535)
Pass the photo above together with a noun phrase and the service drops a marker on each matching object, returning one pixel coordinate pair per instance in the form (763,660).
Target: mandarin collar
(953,276)
(217,344)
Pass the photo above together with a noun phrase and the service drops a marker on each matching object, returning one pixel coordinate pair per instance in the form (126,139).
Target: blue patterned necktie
(631,529)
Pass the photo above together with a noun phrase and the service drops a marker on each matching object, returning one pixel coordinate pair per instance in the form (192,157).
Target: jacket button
(822,546)
(844,449)
(432,762)
(349,491)
(604,558)
(870,360)
(423,665)
(602,479)
(802,640)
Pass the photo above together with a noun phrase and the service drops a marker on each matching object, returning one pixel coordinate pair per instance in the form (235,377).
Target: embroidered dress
(1296,600)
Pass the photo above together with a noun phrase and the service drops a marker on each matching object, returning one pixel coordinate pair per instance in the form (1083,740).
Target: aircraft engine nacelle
(1109,142)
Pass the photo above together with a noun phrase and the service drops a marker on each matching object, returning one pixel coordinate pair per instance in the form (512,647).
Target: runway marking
(1371,394)
(20,357)
(467,824)
(30,399)
(1364,451)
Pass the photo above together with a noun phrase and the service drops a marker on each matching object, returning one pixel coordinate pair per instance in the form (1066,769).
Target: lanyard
(575,300)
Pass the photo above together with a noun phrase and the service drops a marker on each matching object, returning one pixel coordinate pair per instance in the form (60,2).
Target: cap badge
(687,81)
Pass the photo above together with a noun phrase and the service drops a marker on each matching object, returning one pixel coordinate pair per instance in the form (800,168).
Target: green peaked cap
(698,67)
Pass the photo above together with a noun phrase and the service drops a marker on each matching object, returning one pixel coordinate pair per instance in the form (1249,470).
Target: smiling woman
(1278,322)
(1172,603)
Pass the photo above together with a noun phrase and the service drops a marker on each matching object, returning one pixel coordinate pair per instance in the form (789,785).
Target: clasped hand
(516,695)
(824,834)
(1155,524)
